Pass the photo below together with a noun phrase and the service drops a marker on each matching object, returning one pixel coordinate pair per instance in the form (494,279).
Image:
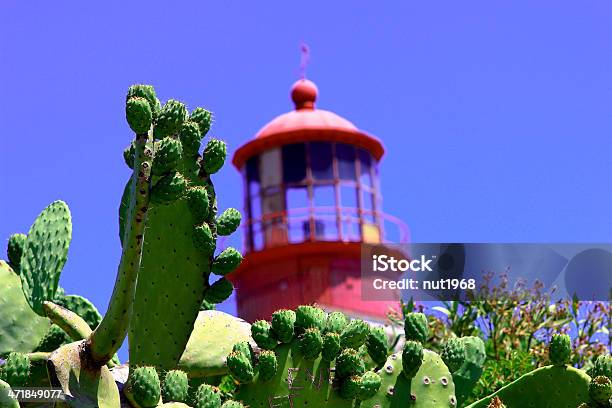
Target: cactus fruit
(551,386)
(147,92)
(175,386)
(307,317)
(54,338)
(261,331)
(560,349)
(310,343)
(43,258)
(16,369)
(282,325)
(453,354)
(170,119)
(219,291)
(226,262)
(349,363)
(167,156)
(267,365)
(336,322)
(207,396)
(331,346)
(82,307)
(138,114)
(378,345)
(14,250)
(416,327)
(412,358)
(349,387)
(169,188)
(354,334)
(197,199)
(245,348)
(214,156)
(202,118)
(600,390)
(190,137)
(215,334)
(204,239)
(240,367)
(601,366)
(228,222)
(369,385)
(143,387)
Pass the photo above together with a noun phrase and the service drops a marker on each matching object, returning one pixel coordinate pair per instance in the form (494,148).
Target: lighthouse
(311,199)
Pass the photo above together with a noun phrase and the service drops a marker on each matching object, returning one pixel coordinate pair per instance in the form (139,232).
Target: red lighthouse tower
(312,197)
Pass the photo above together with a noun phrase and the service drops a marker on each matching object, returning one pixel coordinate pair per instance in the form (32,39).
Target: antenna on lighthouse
(304,59)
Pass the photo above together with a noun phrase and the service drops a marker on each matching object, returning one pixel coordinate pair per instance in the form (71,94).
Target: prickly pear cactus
(6,400)
(21,329)
(175,386)
(82,307)
(213,337)
(14,250)
(416,327)
(471,369)
(43,258)
(552,386)
(143,389)
(179,244)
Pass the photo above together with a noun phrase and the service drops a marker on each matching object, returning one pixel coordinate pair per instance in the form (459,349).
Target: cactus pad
(45,254)
(170,119)
(138,114)
(169,188)
(261,331)
(16,369)
(228,222)
(336,322)
(466,377)
(82,307)
(331,346)
(378,345)
(14,250)
(560,349)
(268,365)
(453,354)
(600,390)
(168,154)
(147,92)
(190,138)
(54,338)
(202,118)
(6,400)
(213,337)
(240,367)
(354,334)
(143,387)
(601,366)
(309,316)
(207,396)
(349,363)
(226,262)
(310,343)
(412,358)
(20,328)
(282,325)
(214,156)
(219,291)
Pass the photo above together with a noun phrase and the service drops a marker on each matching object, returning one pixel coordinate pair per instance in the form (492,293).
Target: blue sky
(496,116)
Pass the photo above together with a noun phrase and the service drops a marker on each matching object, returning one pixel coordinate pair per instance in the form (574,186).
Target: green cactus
(552,386)
(219,291)
(54,338)
(6,399)
(170,119)
(601,366)
(43,259)
(560,349)
(369,385)
(307,317)
(202,118)
(190,137)
(81,307)
(213,337)
(310,343)
(349,387)
(214,156)
(336,322)
(207,396)
(147,92)
(331,346)
(600,390)
(226,262)
(453,354)
(232,404)
(378,345)
(138,114)
(282,325)
(175,386)
(470,371)
(16,369)
(21,329)
(14,251)
(143,388)
(349,363)
(412,358)
(197,199)
(268,365)
(261,331)
(169,188)
(354,334)
(240,366)
(168,154)
(228,222)
(416,327)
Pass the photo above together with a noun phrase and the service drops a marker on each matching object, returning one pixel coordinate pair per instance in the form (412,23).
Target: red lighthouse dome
(312,198)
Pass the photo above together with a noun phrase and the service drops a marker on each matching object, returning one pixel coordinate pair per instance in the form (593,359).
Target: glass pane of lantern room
(320,154)
(294,163)
(346,161)
(365,176)
(252,175)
